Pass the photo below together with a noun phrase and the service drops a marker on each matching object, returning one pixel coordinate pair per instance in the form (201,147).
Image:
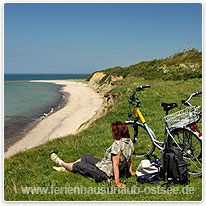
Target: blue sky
(83,38)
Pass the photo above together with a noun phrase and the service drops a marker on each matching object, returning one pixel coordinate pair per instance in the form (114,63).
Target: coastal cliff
(102,87)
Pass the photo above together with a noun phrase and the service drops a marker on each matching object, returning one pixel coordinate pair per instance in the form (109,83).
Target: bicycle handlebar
(197,93)
(140,88)
(186,102)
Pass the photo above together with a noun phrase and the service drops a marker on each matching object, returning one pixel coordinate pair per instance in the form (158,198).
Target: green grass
(33,168)
(186,64)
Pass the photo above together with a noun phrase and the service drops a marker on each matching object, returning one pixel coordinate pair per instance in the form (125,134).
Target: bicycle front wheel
(143,145)
(191,145)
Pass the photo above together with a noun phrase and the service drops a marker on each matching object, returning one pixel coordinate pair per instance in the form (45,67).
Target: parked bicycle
(176,134)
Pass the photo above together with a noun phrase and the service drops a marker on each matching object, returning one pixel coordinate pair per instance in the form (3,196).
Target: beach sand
(82,104)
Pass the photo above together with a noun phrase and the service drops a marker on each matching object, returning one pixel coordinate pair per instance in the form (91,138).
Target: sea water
(26,103)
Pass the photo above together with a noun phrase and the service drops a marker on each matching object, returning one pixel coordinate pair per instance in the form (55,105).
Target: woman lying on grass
(116,159)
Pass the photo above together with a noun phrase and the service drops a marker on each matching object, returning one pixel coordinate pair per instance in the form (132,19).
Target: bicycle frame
(143,123)
(150,132)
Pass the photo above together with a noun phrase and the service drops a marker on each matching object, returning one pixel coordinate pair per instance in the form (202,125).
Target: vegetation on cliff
(183,65)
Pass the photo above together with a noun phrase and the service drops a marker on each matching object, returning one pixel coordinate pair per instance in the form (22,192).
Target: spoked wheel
(191,145)
(143,145)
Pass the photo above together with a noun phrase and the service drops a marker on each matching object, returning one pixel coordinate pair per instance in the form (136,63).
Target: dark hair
(119,130)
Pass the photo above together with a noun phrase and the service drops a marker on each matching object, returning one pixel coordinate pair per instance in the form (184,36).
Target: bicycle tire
(143,147)
(191,145)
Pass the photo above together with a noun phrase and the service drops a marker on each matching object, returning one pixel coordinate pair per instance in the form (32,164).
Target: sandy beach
(82,104)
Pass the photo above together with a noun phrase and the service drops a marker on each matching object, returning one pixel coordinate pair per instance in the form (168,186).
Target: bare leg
(69,165)
(77,160)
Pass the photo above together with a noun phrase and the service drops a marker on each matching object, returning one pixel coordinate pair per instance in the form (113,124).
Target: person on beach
(116,161)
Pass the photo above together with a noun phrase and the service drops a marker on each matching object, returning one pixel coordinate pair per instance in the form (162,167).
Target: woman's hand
(130,167)
(120,185)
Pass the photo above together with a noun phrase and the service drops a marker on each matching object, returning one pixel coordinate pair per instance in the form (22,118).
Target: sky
(83,38)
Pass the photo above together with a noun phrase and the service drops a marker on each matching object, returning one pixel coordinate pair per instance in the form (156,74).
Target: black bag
(173,168)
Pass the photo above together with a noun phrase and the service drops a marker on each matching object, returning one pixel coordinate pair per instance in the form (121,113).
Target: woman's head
(119,130)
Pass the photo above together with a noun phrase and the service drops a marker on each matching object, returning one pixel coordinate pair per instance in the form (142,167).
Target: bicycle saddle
(168,107)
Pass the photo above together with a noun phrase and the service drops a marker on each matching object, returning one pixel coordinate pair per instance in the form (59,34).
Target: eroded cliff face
(102,87)
(94,81)
(102,83)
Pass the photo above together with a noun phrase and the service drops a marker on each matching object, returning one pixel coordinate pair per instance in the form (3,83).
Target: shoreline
(31,122)
(81,105)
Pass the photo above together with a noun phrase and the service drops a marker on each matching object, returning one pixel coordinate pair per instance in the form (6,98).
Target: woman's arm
(116,160)
(130,167)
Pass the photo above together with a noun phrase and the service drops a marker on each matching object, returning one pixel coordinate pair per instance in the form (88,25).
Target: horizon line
(47,73)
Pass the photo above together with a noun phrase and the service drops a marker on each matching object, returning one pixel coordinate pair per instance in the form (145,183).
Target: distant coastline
(27,77)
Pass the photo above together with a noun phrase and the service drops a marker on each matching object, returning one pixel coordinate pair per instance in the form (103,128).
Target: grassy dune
(186,64)
(33,168)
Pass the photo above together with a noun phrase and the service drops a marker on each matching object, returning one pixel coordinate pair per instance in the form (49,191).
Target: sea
(26,103)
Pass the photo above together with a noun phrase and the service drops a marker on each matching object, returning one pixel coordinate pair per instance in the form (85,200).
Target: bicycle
(191,144)
(145,140)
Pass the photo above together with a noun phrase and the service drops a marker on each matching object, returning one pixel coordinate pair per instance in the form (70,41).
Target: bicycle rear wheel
(143,146)
(191,146)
